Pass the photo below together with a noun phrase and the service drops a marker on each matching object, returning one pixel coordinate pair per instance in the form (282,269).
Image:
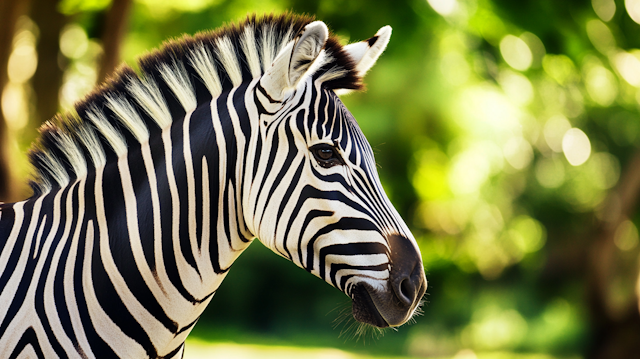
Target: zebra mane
(129,107)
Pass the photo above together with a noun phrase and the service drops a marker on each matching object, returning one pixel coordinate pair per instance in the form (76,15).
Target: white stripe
(39,236)
(202,61)
(131,211)
(54,167)
(226,253)
(248,44)
(268,46)
(50,306)
(208,275)
(12,284)
(146,320)
(113,137)
(188,275)
(157,221)
(191,186)
(241,143)
(26,316)
(178,80)
(128,116)
(284,40)
(70,289)
(70,149)
(227,55)
(149,97)
(92,144)
(120,343)
(171,301)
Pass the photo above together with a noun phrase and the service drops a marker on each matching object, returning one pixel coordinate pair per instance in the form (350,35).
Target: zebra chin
(405,288)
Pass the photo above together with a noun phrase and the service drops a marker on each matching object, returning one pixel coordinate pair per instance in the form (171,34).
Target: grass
(201,349)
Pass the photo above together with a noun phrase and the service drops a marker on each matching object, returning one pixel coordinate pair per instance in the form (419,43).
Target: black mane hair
(66,149)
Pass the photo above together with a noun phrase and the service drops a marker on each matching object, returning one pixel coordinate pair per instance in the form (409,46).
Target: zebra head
(314,196)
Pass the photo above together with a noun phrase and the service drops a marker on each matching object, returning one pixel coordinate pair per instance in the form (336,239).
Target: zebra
(147,191)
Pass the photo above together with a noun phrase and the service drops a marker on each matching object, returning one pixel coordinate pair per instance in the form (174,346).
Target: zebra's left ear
(298,59)
(365,53)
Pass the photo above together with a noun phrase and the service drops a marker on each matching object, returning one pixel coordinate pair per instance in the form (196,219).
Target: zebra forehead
(193,69)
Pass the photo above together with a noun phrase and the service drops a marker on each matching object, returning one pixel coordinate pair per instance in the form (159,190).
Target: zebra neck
(183,191)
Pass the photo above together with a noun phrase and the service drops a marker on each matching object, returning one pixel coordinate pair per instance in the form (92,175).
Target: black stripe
(349,249)
(287,196)
(39,299)
(265,94)
(28,338)
(345,223)
(313,214)
(336,267)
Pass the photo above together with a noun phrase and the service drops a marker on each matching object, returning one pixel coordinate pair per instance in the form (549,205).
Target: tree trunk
(10,11)
(614,330)
(47,79)
(113,32)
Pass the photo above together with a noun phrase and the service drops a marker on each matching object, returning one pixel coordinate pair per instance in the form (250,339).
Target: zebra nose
(407,277)
(407,285)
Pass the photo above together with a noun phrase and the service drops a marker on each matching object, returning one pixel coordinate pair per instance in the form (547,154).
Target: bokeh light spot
(628,65)
(494,328)
(576,146)
(444,7)
(536,46)
(601,85)
(465,354)
(14,106)
(516,52)
(516,87)
(487,112)
(626,237)
(557,313)
(455,68)
(69,7)
(633,9)
(554,130)
(527,234)
(605,9)
(518,152)
(604,170)
(550,172)
(601,36)
(73,41)
(469,172)
(559,67)
(23,61)
(430,178)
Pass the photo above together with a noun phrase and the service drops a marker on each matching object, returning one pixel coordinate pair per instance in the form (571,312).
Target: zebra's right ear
(365,53)
(297,60)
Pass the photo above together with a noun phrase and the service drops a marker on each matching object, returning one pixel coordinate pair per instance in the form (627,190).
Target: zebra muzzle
(406,286)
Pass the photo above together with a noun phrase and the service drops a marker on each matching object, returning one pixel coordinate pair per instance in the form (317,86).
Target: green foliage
(501,129)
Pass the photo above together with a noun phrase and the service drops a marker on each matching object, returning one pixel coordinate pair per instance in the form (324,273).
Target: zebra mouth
(364,309)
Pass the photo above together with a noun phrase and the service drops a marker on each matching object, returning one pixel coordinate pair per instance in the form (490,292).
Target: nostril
(406,277)
(405,291)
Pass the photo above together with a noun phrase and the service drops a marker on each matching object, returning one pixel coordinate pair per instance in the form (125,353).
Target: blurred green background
(506,133)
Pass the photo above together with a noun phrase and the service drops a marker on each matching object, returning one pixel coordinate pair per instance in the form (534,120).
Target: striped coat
(148,191)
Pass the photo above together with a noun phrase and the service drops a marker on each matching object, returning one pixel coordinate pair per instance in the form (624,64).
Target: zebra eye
(326,155)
